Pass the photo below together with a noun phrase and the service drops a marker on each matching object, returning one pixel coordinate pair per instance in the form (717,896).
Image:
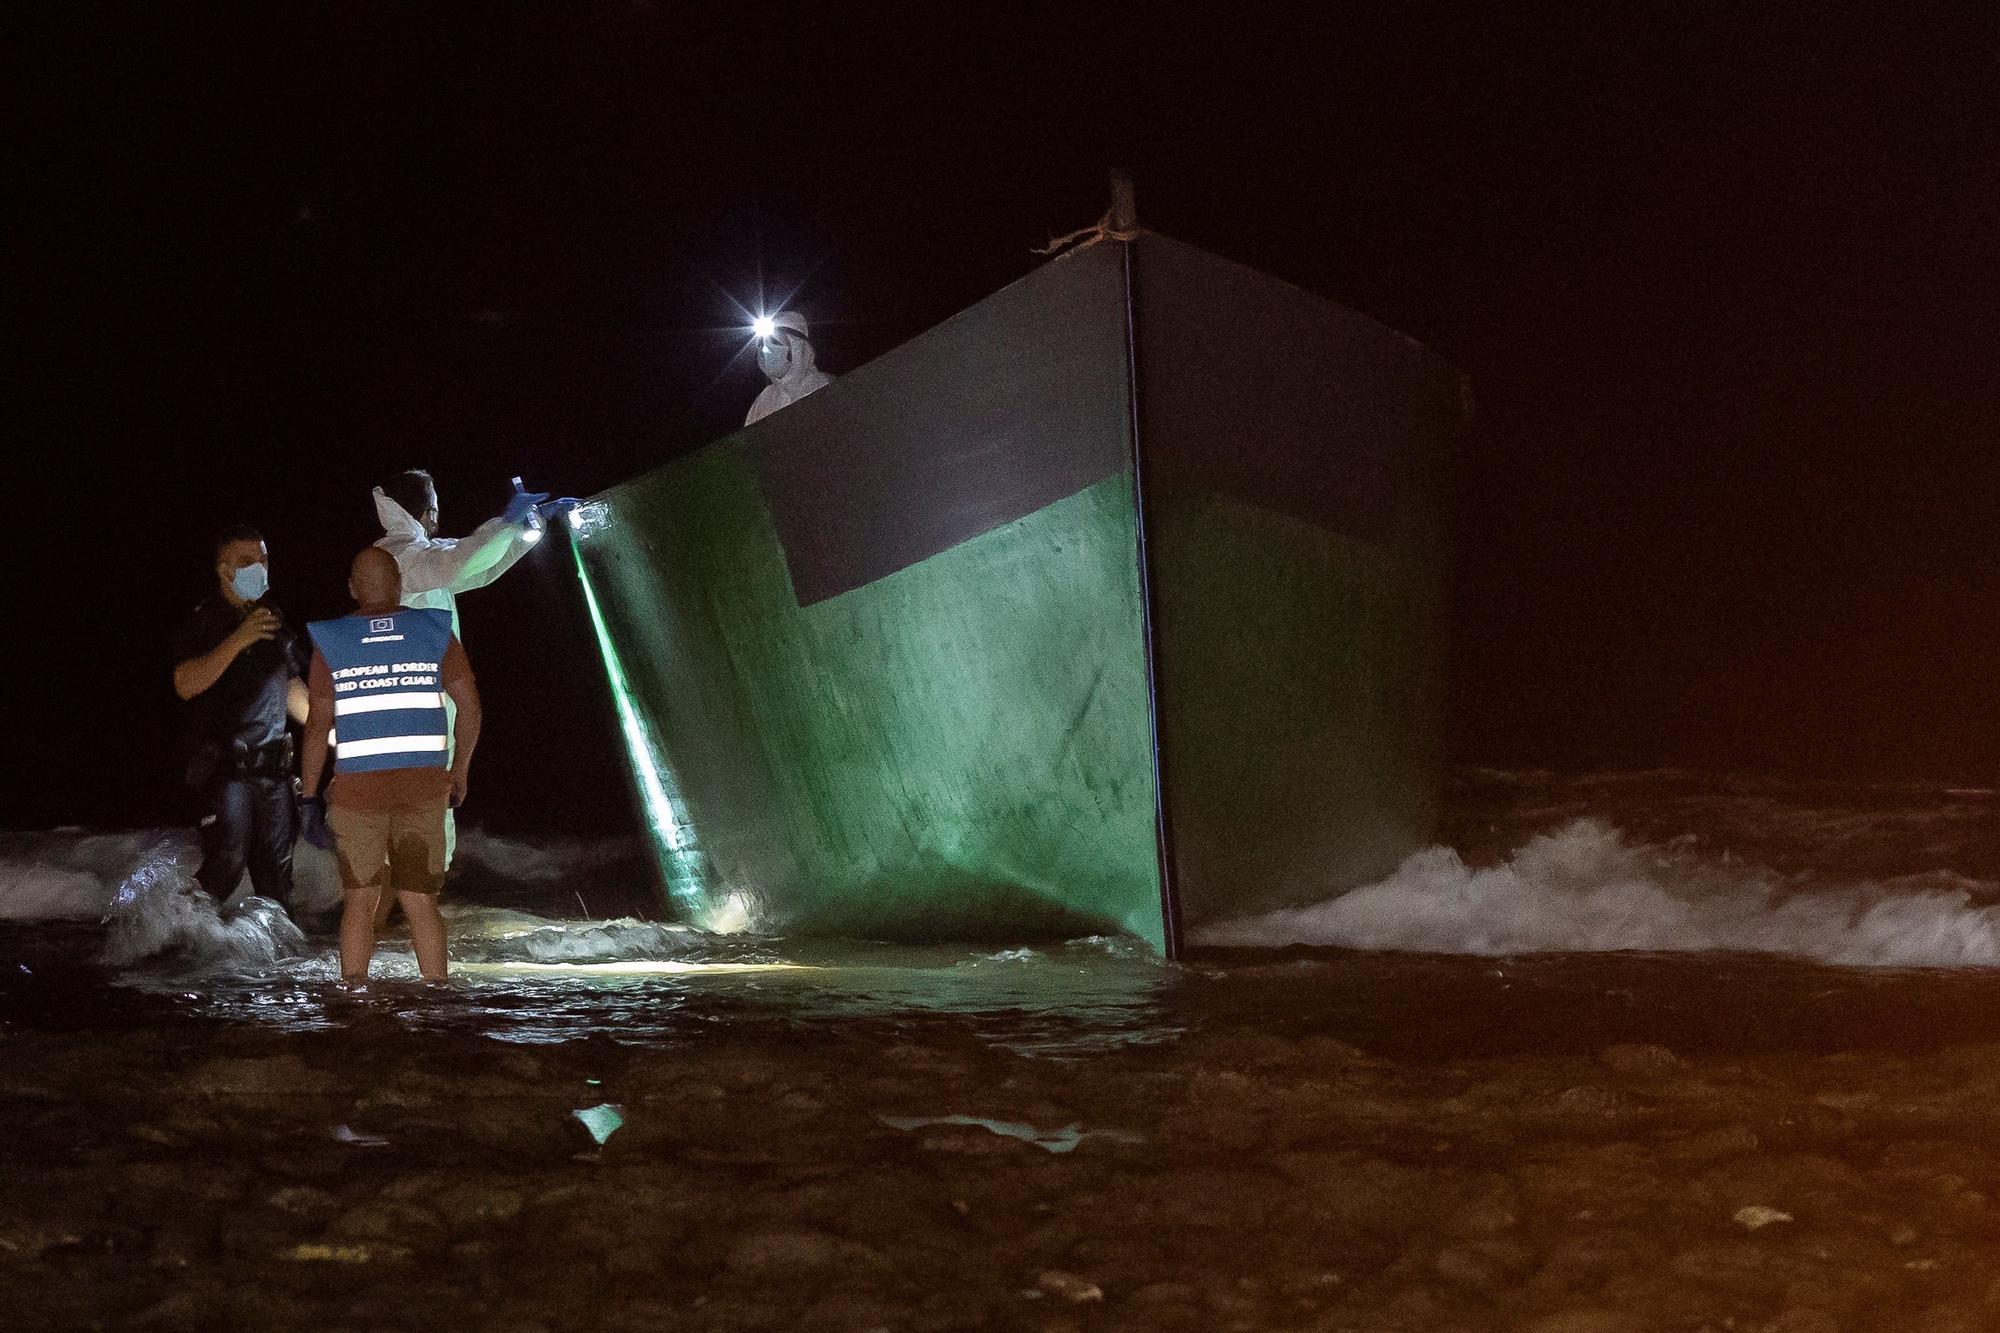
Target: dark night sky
(1726,287)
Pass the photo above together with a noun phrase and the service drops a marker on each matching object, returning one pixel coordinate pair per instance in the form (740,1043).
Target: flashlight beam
(667,827)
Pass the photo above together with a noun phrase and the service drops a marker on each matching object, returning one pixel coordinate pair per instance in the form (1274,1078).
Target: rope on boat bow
(1101,230)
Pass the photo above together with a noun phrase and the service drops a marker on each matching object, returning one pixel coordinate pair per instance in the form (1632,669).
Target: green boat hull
(1066,617)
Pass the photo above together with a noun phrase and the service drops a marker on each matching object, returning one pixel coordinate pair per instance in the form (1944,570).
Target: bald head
(374,580)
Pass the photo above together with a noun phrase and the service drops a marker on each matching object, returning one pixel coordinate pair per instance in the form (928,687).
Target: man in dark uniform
(239,669)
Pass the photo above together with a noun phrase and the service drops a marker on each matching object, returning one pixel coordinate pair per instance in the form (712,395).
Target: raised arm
(460,566)
(197,674)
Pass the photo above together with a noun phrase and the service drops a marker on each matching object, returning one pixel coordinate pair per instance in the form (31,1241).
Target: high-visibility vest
(388,689)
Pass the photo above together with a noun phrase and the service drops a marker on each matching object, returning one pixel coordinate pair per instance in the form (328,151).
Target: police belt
(273,759)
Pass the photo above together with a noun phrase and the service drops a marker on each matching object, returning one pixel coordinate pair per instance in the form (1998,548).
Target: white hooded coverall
(436,569)
(791,371)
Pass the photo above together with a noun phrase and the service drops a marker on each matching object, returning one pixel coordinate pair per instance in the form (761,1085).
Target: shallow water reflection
(1063,998)
(526,979)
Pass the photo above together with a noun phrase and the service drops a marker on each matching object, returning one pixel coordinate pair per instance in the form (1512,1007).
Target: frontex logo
(382,626)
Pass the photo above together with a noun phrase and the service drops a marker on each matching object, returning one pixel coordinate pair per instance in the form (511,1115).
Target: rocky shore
(380,1175)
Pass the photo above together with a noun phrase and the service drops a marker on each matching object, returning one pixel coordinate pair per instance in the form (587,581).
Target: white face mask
(774,358)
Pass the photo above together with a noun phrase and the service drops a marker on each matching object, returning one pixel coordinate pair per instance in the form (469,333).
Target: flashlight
(764,327)
(533,532)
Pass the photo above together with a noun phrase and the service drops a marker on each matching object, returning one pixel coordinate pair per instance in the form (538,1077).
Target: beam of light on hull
(671,837)
(732,917)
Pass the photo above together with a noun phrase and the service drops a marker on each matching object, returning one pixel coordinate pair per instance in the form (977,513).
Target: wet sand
(381,1174)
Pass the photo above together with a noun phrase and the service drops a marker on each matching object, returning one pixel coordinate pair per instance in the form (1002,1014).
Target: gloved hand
(312,823)
(556,509)
(521,507)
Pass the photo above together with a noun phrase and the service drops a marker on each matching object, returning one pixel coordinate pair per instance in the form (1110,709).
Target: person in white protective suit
(436,569)
(786,359)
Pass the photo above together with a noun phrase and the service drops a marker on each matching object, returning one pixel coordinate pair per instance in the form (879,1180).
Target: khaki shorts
(399,850)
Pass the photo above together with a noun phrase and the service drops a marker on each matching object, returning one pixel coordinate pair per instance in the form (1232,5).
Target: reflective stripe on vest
(388,689)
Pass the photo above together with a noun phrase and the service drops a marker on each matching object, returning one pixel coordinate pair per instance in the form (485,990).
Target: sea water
(1554,912)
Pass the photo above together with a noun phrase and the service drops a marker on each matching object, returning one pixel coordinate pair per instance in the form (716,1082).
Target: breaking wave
(539,862)
(159,915)
(141,886)
(68,874)
(1586,887)
(1659,862)
(77,875)
(494,935)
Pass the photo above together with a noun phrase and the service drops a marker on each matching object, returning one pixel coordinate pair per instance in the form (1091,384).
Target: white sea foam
(536,862)
(481,934)
(141,885)
(31,891)
(159,914)
(70,874)
(1585,887)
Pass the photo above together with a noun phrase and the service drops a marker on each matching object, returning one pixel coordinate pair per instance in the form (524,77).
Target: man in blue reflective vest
(378,684)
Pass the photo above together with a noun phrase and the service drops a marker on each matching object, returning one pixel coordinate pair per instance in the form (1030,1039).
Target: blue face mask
(251,582)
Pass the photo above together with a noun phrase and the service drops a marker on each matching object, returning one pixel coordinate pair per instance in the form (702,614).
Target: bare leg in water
(426,932)
(357,932)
